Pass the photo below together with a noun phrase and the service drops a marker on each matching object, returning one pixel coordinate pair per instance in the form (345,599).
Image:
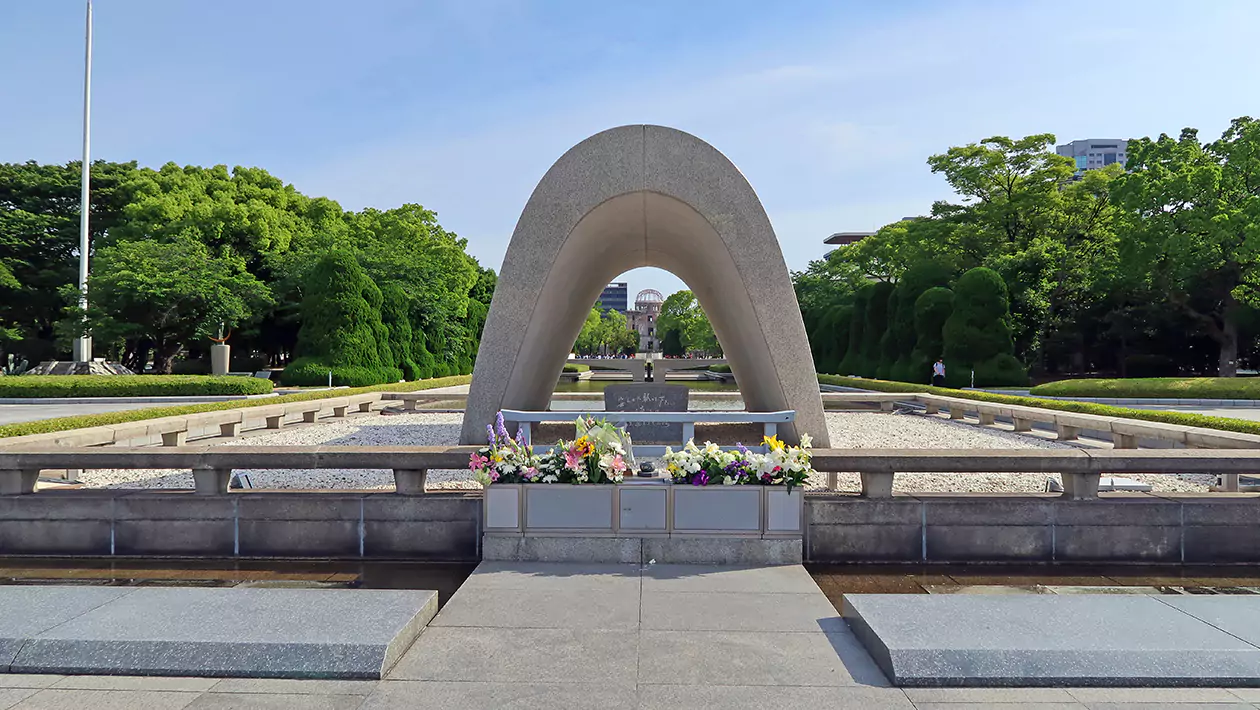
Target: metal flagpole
(83,345)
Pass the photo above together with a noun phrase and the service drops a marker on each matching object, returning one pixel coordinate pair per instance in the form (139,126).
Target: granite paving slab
(683,611)
(482,695)
(755,658)
(216,632)
(782,579)
(29,610)
(1235,615)
(1047,640)
(556,608)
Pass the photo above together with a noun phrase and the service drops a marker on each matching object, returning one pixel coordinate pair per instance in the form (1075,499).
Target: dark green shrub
(341,328)
(902,337)
(854,362)
(931,309)
(305,372)
(1150,366)
(33,386)
(876,324)
(721,369)
(397,322)
(977,334)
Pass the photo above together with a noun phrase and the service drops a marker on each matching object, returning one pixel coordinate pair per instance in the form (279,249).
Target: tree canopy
(1153,263)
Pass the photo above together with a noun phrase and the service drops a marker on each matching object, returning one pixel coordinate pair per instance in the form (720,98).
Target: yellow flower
(773,442)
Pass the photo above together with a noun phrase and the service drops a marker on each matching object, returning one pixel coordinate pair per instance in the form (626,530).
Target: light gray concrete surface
(182,631)
(17,413)
(644,196)
(541,660)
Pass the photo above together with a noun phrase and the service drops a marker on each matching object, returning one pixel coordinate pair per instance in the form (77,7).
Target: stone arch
(644,196)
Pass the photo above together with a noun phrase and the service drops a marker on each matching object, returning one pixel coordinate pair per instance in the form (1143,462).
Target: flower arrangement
(709,465)
(601,453)
(504,459)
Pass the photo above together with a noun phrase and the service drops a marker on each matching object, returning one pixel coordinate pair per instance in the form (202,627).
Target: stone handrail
(212,466)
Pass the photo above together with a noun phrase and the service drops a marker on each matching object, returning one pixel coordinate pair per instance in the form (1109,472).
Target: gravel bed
(847,429)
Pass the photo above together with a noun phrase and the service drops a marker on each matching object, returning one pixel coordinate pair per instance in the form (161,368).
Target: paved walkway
(551,637)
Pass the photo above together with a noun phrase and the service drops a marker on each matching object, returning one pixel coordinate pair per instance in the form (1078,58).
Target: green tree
(342,331)
(1192,227)
(931,310)
(682,312)
(39,243)
(977,334)
(588,339)
(167,294)
(671,344)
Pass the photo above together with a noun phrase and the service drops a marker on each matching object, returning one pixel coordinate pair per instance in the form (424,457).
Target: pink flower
(618,463)
(494,476)
(529,473)
(477,461)
(572,460)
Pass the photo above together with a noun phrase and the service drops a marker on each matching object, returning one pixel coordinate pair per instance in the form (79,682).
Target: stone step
(209,632)
(1052,640)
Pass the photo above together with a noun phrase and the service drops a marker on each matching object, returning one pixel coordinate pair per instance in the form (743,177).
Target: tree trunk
(164,357)
(1228,366)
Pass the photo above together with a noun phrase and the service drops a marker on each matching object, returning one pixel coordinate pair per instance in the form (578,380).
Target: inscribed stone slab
(649,398)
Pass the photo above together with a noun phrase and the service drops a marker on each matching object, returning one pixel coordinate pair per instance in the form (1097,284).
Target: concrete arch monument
(644,196)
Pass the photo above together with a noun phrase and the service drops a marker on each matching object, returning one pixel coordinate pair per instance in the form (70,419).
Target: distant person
(938,373)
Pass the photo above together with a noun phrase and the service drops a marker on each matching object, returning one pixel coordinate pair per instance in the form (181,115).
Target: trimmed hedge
(573,367)
(135,415)
(721,369)
(1156,388)
(51,386)
(1242,426)
(977,334)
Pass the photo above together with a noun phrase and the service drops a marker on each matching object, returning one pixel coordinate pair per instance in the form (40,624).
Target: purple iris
(490,434)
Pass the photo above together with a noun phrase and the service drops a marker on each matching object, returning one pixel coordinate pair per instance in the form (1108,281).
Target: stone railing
(212,466)
(176,430)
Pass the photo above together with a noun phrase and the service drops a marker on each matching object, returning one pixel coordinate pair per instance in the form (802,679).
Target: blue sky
(829,108)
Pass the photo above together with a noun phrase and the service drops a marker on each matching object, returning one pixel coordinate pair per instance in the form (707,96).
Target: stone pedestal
(220,355)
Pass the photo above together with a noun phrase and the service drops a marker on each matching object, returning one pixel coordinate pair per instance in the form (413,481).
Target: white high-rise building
(1094,153)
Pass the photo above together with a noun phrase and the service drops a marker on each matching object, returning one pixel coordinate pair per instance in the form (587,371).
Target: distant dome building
(647,308)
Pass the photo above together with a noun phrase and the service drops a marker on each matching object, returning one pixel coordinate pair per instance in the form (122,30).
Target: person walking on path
(938,373)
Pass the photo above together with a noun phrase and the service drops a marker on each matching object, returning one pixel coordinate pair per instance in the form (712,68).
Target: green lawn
(135,415)
(1156,388)
(1184,418)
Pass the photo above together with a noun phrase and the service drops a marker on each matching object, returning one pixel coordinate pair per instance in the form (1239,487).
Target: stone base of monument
(68,367)
(1051,640)
(644,508)
(642,550)
(209,632)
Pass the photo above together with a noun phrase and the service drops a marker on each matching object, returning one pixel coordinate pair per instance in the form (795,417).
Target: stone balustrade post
(1080,486)
(877,485)
(410,481)
(210,481)
(18,481)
